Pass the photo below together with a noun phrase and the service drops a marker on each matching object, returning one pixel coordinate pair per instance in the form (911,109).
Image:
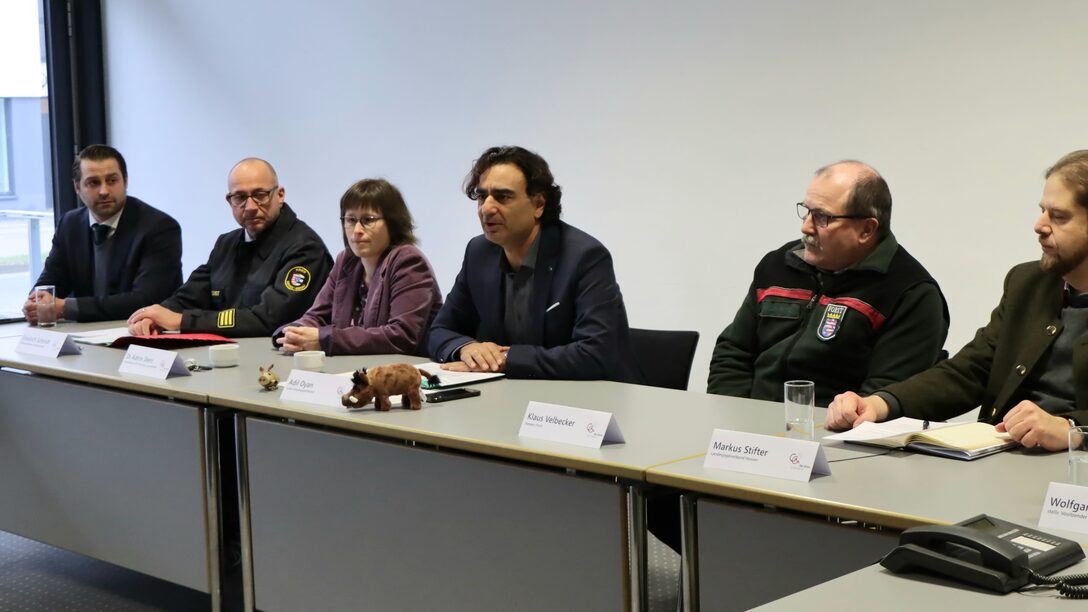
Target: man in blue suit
(115,253)
(535,298)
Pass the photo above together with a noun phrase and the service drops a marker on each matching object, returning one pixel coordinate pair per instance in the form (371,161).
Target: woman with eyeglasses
(381,295)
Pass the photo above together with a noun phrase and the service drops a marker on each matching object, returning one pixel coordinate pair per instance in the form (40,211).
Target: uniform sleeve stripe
(796,294)
(226,318)
(875,318)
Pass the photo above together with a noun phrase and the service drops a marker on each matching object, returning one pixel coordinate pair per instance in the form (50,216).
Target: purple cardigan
(402,300)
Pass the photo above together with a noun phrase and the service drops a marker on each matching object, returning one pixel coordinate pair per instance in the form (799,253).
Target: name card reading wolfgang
(751,453)
(569,425)
(315,388)
(46,343)
(1065,507)
(152,362)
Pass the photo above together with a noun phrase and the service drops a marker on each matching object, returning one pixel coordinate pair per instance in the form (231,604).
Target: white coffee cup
(310,360)
(223,355)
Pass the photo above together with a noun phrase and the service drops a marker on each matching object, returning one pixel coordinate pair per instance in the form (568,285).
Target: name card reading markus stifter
(315,387)
(46,343)
(152,362)
(751,453)
(569,425)
(1065,507)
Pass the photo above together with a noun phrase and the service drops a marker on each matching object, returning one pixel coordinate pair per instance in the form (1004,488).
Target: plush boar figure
(268,378)
(380,382)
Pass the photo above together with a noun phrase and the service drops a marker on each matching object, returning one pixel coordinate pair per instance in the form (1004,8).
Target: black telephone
(984,551)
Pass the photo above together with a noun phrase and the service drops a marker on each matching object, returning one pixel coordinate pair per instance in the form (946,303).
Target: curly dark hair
(538,177)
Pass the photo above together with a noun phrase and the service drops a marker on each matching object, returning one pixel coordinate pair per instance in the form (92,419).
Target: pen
(925,425)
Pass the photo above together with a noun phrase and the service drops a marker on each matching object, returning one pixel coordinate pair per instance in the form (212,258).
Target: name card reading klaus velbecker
(569,425)
(751,453)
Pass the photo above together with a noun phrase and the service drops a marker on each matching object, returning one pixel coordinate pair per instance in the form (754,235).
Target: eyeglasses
(368,221)
(261,197)
(821,218)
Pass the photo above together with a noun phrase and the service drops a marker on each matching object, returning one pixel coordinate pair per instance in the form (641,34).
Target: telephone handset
(984,551)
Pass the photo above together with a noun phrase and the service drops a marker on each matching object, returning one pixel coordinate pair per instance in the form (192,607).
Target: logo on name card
(831,322)
(589,428)
(794,459)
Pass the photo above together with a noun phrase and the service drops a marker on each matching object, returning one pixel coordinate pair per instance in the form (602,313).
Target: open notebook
(448,380)
(956,440)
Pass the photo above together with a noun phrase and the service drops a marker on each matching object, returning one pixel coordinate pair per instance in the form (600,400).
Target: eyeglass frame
(261,201)
(367,221)
(827,217)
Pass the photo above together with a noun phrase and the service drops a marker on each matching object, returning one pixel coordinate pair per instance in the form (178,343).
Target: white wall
(682,133)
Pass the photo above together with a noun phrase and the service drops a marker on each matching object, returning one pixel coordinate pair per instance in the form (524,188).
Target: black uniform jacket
(251,288)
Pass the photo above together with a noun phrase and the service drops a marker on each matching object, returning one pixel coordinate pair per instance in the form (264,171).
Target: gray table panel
(360,524)
(899,489)
(99,365)
(110,475)
(875,588)
(659,425)
(749,556)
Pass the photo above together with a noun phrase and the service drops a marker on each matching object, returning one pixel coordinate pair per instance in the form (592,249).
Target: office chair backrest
(664,356)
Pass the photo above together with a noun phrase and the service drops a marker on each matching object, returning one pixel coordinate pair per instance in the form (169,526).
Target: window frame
(77,89)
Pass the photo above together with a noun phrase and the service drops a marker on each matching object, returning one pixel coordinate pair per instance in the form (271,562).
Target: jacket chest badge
(831,322)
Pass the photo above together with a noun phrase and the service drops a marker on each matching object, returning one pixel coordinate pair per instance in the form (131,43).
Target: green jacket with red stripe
(877,322)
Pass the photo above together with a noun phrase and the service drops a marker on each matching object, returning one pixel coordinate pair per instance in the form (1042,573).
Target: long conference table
(445,507)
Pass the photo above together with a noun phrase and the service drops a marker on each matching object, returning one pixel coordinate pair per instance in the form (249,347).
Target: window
(26,186)
(5,150)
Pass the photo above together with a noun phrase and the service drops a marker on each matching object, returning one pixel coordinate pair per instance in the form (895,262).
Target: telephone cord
(1073,586)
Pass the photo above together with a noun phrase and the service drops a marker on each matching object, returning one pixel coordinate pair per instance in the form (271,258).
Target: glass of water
(45,302)
(1078,456)
(800,403)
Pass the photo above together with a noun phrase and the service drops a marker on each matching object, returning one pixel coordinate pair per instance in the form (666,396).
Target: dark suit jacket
(580,326)
(145,261)
(991,369)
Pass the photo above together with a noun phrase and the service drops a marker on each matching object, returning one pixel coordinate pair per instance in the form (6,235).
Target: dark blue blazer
(579,321)
(145,261)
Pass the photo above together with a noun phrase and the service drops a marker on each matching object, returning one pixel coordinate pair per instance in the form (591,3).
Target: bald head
(869,196)
(254,164)
(253,182)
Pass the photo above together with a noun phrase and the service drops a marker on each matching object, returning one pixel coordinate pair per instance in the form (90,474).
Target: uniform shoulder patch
(297,279)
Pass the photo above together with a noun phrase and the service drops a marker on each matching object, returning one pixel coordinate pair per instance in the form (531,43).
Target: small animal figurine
(268,379)
(382,381)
